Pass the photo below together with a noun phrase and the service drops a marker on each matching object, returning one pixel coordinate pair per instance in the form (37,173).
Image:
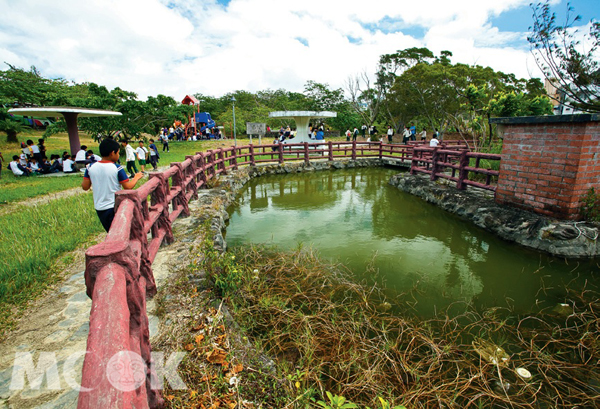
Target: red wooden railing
(118,273)
(455,166)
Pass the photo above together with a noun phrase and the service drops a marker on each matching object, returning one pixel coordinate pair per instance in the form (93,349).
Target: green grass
(32,238)
(14,189)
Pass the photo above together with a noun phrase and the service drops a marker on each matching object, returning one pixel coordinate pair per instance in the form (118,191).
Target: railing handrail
(121,266)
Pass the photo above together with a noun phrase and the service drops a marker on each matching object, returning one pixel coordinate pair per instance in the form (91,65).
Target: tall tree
(573,67)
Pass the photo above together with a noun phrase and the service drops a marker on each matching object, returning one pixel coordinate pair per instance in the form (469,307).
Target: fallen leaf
(216,356)
(189,347)
(237,368)
(169,397)
(199,338)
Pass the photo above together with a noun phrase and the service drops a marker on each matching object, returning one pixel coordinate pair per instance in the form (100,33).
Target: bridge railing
(456,166)
(119,275)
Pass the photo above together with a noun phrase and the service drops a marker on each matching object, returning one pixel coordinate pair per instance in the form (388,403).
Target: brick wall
(549,163)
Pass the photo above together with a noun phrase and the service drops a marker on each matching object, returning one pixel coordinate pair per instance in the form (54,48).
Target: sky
(213,47)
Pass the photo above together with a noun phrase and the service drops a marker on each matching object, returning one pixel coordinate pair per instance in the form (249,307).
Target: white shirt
(433,142)
(106,178)
(35,149)
(80,155)
(424,134)
(23,159)
(68,165)
(15,169)
(129,153)
(141,152)
(390,132)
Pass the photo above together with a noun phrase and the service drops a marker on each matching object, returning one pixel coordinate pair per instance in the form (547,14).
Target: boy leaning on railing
(107,177)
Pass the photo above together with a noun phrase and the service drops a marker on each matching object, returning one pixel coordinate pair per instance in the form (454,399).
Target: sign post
(256,128)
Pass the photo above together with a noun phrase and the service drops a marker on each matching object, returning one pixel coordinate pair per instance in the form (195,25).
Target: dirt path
(58,324)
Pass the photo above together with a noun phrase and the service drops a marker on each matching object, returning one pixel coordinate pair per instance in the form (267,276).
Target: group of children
(142,154)
(33,160)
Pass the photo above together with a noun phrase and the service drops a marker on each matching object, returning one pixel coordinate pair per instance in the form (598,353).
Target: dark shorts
(106,217)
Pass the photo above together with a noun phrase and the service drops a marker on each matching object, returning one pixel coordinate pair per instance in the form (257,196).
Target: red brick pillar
(549,162)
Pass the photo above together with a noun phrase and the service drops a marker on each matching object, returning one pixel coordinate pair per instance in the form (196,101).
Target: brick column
(549,162)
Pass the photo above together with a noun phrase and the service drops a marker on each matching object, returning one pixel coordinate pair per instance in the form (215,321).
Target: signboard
(256,128)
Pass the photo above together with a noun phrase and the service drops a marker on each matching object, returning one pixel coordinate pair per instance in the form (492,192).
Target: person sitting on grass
(69,165)
(107,177)
(34,166)
(17,168)
(55,165)
(92,157)
(81,155)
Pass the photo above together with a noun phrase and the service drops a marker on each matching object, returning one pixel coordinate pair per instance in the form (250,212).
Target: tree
(21,87)
(562,59)
(11,128)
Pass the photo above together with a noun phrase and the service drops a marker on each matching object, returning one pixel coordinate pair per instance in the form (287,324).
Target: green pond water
(420,253)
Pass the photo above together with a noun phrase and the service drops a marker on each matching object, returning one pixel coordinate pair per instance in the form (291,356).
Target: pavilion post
(71,120)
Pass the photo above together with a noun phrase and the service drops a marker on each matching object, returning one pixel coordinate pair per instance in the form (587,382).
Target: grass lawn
(32,238)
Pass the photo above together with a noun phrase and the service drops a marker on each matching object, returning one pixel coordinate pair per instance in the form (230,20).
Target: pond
(429,258)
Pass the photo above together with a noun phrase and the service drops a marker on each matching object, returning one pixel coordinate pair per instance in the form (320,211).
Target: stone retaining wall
(535,231)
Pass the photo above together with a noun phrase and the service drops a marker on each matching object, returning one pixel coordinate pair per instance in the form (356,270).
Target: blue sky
(176,47)
(520,19)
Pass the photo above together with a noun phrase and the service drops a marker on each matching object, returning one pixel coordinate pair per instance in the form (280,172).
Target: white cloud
(175,47)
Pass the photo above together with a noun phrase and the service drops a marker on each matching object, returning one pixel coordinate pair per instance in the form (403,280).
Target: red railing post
(353,150)
(235,149)
(414,162)
(221,157)
(202,174)
(380,149)
(159,196)
(118,277)
(330,147)
(179,181)
(306,157)
(190,173)
(463,174)
(252,158)
(434,165)
(280,152)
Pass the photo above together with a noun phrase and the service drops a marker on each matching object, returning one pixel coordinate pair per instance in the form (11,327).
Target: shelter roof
(57,111)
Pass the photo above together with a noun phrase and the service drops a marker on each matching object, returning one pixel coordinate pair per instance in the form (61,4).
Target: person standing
(354,134)
(129,158)
(424,134)
(165,141)
(107,177)
(363,130)
(390,133)
(142,154)
(413,132)
(154,157)
(348,134)
(406,135)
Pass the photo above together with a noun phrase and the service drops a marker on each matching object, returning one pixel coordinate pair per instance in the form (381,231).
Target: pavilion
(70,114)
